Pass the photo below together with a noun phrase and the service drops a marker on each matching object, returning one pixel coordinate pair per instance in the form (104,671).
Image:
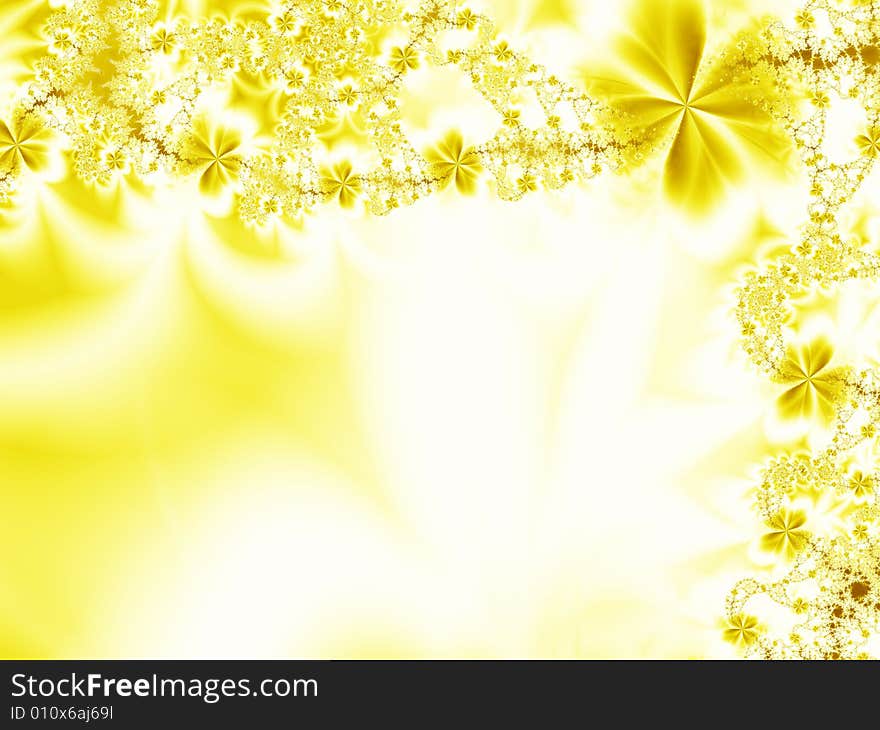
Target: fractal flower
(404,59)
(163,40)
(742,630)
(348,95)
(294,79)
(62,42)
(503,52)
(786,536)
(116,161)
(215,153)
(662,85)
(820,100)
(339,181)
(511,117)
(527,184)
(869,142)
(23,142)
(813,386)
(467,19)
(285,22)
(861,485)
(804,19)
(452,162)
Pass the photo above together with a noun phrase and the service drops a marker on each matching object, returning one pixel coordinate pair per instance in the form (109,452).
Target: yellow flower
(294,78)
(62,41)
(527,184)
(467,19)
(813,386)
(451,161)
(511,117)
(742,630)
(285,22)
(785,535)
(664,87)
(800,606)
(24,142)
(860,531)
(163,40)
(868,431)
(116,160)
(820,99)
(804,19)
(213,150)
(340,182)
(503,52)
(404,59)
(229,62)
(869,142)
(862,485)
(270,206)
(348,95)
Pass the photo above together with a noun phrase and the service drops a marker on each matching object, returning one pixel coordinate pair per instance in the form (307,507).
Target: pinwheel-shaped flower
(404,59)
(805,19)
(348,95)
(869,142)
(63,41)
(285,22)
(215,151)
(116,161)
(786,536)
(23,142)
(339,181)
(467,19)
(163,40)
(742,630)
(663,87)
(511,117)
(294,79)
(526,183)
(861,485)
(813,386)
(503,52)
(820,99)
(450,161)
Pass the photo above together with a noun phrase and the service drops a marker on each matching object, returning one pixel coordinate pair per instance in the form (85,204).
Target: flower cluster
(832,586)
(130,95)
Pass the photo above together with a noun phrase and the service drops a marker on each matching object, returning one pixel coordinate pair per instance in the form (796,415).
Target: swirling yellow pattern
(267,117)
